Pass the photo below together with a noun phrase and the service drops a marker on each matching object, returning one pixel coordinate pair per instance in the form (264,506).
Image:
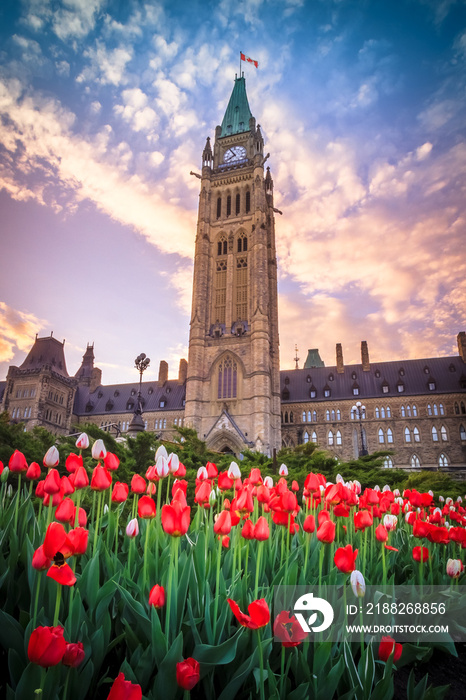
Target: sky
(105,107)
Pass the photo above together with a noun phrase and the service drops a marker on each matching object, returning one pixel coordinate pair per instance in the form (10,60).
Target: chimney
(365,356)
(461,338)
(340,366)
(96,379)
(163,372)
(182,372)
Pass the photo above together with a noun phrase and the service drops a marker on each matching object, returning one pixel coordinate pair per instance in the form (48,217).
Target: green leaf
(218,654)
(352,671)
(89,582)
(15,667)
(165,684)
(332,678)
(137,612)
(366,670)
(11,634)
(301,693)
(30,680)
(231,689)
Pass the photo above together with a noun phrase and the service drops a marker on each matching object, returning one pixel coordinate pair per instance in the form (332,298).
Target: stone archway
(225,441)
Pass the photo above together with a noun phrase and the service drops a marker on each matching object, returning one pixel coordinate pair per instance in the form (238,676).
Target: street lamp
(360,411)
(137,425)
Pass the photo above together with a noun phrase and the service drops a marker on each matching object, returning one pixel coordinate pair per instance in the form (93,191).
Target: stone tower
(232,392)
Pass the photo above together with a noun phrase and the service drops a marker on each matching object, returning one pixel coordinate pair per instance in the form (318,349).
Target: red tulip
(261,529)
(309,524)
(52,482)
(62,574)
(263,494)
(244,502)
(288,630)
(40,561)
(187,673)
(111,461)
(223,523)
(157,596)
(138,484)
(203,494)
(322,517)
(224,482)
(362,519)
(247,530)
(176,518)
(255,477)
(420,552)
(259,614)
(66,487)
(124,690)
(387,646)
(120,491)
(74,655)
(65,512)
(326,532)
(420,528)
(18,462)
(294,485)
(46,646)
(33,471)
(225,541)
(146,507)
(212,470)
(56,540)
(79,538)
(101,479)
(381,533)
(73,462)
(345,558)
(81,480)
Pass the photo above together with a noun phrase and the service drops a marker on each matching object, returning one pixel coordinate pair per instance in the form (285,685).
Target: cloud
(107,66)
(17,331)
(76,18)
(136,111)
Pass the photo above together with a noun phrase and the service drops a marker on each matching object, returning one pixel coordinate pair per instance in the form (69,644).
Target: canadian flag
(249,60)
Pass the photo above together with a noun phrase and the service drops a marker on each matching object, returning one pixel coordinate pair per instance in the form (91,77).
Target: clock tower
(232,390)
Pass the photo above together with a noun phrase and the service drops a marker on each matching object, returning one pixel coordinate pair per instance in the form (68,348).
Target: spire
(238,114)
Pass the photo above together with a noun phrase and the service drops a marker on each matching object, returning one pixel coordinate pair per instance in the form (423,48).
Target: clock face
(234,154)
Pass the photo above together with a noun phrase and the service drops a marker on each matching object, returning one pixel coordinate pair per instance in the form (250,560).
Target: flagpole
(240,64)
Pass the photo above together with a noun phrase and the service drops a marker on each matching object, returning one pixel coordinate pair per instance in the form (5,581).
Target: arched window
(415,463)
(443,433)
(407,435)
(338,414)
(219,207)
(462,432)
(382,412)
(429,409)
(408,411)
(377,413)
(339,440)
(381,437)
(164,423)
(327,414)
(388,463)
(291,417)
(457,408)
(435,410)
(286,416)
(222,246)
(306,437)
(229,205)
(227,378)
(443,460)
(242,287)
(314,416)
(248,201)
(333,414)
(463,407)
(304,416)
(237,204)
(309,416)
(389,436)
(242,243)
(434,434)
(403,412)
(415,410)
(330,438)
(314,436)
(417,437)
(389,412)
(441,409)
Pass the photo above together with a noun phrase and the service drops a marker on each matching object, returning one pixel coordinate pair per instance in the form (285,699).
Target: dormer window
(162,402)
(89,407)
(109,405)
(426,370)
(133,392)
(285,394)
(129,405)
(312,392)
(432,385)
(385,388)
(331,377)
(116,393)
(308,378)
(400,387)
(354,375)
(355,389)
(150,391)
(377,373)
(327,392)
(401,372)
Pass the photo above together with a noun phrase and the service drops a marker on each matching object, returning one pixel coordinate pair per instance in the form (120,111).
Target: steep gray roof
(448,374)
(2,390)
(46,352)
(115,398)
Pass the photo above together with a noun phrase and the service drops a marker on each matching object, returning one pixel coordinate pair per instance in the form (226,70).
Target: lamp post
(360,412)
(137,425)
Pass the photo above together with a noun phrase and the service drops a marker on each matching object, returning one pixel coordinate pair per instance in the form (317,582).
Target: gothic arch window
(443,460)
(403,412)
(229,205)
(248,201)
(306,437)
(237,203)
(286,416)
(291,417)
(338,414)
(382,412)
(220,289)
(389,412)
(441,409)
(314,436)
(388,463)
(377,412)
(330,438)
(333,414)
(327,414)
(381,437)
(314,416)
(309,417)
(408,411)
(389,435)
(434,434)
(242,243)
(462,432)
(415,410)
(304,417)
(339,439)
(435,409)
(222,245)
(443,433)
(416,434)
(219,207)
(429,409)
(407,435)
(415,462)
(227,378)
(241,288)
(463,408)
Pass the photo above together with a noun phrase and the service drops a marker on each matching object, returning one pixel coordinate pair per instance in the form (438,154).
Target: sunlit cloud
(17,331)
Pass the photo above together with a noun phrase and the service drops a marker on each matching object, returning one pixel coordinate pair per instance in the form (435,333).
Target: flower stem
(97,518)
(18,496)
(261,666)
(57,606)
(258,562)
(217,582)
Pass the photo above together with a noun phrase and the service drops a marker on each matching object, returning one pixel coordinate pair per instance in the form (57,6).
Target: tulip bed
(125,590)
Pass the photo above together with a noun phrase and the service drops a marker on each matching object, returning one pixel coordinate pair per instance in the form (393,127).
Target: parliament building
(231,389)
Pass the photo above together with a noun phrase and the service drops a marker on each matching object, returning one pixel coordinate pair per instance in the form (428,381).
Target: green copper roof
(313,359)
(238,114)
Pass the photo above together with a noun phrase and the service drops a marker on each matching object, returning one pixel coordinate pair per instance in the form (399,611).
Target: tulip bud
(358,584)
(105,509)
(4,475)
(283,471)
(132,528)
(82,442)
(454,568)
(173,463)
(268,481)
(390,522)
(234,471)
(51,457)
(98,449)
(157,597)
(201,473)
(212,497)
(161,467)
(161,452)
